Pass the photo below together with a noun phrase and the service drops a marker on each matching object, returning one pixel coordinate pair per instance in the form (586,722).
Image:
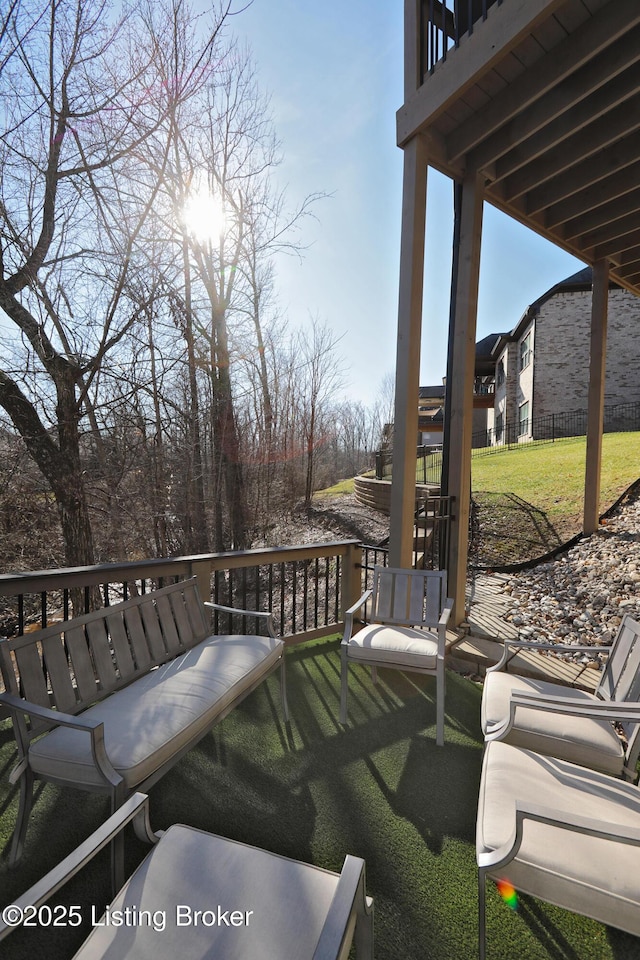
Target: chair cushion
(287,902)
(591,743)
(402,646)
(592,876)
(147,722)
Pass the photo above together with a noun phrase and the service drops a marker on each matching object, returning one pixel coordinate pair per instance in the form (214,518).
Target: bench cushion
(589,875)
(589,742)
(397,645)
(149,721)
(202,872)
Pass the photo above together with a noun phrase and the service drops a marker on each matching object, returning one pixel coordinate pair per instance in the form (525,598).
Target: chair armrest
(516,645)
(265,615)
(349,614)
(95,729)
(567,820)
(446,613)
(135,808)
(349,903)
(549,703)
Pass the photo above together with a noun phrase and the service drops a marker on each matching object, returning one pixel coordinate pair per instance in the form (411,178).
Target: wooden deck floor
(482,645)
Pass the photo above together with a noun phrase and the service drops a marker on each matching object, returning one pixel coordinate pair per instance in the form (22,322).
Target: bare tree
(74,198)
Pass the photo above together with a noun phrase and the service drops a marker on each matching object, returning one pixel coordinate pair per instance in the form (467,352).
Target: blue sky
(334,72)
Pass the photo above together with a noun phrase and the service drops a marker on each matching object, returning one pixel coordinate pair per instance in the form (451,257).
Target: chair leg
(364,935)
(482,932)
(283,690)
(344,683)
(374,674)
(24,811)
(440,693)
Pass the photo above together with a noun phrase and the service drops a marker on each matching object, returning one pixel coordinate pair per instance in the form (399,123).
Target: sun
(203,215)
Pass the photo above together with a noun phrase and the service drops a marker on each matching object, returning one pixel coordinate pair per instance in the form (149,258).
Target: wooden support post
(201,569)
(351,577)
(595,414)
(405,435)
(460,385)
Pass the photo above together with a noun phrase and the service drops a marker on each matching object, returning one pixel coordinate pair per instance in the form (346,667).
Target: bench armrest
(349,614)
(265,615)
(95,729)
(135,808)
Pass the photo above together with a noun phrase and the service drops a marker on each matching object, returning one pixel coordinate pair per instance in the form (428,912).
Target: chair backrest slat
(409,597)
(621,674)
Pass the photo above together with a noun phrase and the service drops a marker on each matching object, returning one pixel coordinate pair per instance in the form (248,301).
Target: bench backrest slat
(171,638)
(81,661)
(182,621)
(139,646)
(120,643)
(57,665)
(197,614)
(102,656)
(32,675)
(153,630)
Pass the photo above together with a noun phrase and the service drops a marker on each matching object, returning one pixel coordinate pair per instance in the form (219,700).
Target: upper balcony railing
(443,25)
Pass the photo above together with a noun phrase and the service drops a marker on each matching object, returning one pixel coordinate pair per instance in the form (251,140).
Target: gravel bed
(581,597)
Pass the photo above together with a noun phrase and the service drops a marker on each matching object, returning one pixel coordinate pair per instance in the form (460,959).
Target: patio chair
(560,832)
(565,722)
(409,612)
(198,896)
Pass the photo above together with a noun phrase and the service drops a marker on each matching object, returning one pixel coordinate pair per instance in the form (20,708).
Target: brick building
(541,367)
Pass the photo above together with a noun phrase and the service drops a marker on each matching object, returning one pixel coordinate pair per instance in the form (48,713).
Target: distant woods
(153,399)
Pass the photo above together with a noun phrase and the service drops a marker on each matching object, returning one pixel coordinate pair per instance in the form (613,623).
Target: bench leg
(118,797)
(24,811)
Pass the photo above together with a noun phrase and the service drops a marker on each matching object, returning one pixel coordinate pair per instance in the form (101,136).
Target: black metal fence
(428,464)
(618,418)
(444,24)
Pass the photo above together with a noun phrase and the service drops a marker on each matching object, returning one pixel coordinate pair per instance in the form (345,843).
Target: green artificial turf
(313,790)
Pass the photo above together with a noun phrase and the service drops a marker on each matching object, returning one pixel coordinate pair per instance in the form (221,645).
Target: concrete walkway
(481,645)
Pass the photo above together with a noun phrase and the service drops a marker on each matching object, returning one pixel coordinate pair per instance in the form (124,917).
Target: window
(499,427)
(523,419)
(525,351)
(500,376)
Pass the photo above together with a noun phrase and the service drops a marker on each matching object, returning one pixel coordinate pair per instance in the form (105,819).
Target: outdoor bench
(109,701)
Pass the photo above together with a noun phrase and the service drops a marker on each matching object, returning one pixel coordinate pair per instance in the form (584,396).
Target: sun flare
(203,215)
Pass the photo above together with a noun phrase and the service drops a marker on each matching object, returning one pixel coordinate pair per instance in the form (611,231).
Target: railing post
(201,569)
(351,577)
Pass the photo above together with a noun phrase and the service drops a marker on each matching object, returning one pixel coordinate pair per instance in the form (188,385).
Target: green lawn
(551,475)
(313,790)
(529,500)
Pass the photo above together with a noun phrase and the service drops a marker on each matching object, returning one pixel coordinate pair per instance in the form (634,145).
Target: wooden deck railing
(308,587)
